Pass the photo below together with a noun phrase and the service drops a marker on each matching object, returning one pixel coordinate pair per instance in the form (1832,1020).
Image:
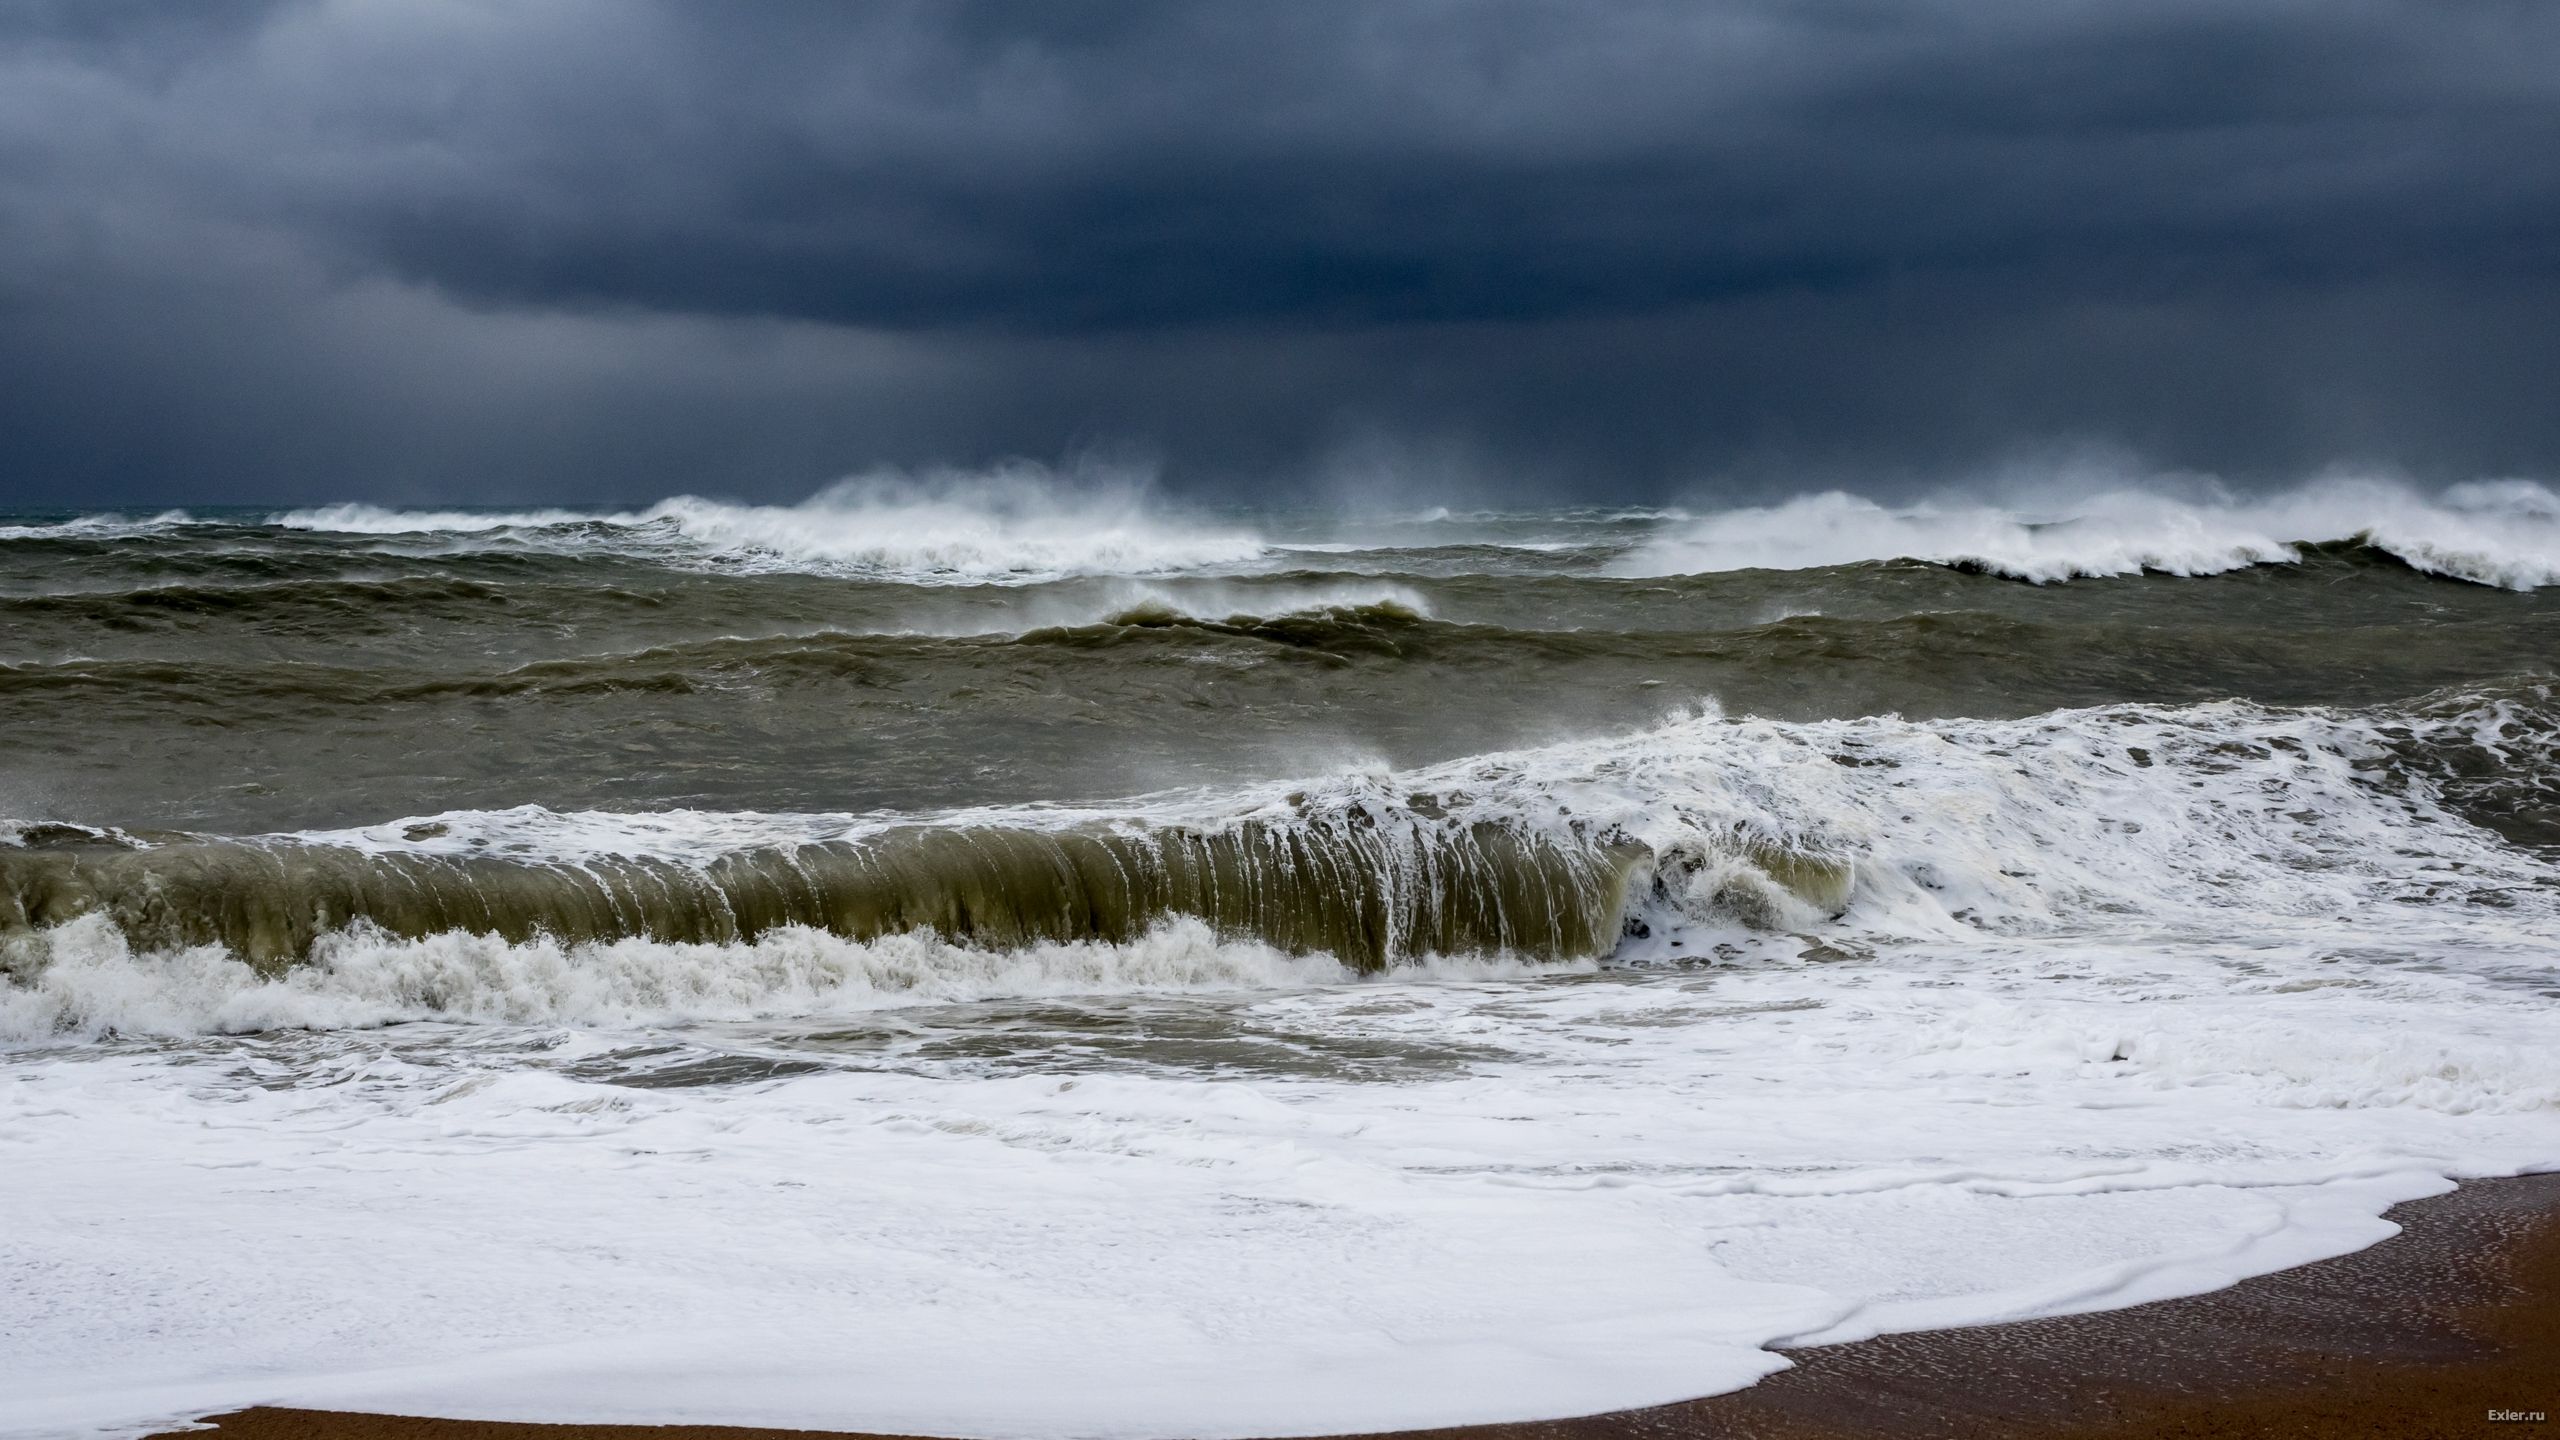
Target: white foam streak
(1122,601)
(91,982)
(1019,523)
(2504,533)
(105,527)
(357,518)
(1025,523)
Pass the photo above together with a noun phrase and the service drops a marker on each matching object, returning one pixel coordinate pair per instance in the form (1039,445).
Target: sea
(1021,955)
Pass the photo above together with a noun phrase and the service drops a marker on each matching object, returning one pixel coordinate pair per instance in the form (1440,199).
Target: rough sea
(998,957)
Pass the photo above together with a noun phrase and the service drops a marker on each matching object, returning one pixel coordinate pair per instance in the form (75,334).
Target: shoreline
(2422,1334)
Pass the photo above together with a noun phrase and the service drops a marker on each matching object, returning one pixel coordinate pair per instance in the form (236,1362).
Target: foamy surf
(1025,524)
(97,527)
(2075,828)
(1017,524)
(2503,533)
(93,982)
(1605,1191)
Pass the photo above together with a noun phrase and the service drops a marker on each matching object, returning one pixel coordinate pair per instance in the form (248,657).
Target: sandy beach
(2429,1333)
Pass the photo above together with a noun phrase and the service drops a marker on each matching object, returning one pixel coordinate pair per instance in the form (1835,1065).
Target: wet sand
(2422,1335)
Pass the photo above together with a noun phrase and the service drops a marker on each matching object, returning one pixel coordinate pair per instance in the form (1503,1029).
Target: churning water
(991,958)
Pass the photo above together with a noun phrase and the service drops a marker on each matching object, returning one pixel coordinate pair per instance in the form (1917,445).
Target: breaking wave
(1014,524)
(2126,820)
(97,527)
(2503,533)
(1382,627)
(1346,878)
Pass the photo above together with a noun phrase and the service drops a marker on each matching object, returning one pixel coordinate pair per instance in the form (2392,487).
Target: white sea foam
(1121,600)
(2126,1003)
(1011,524)
(1024,523)
(1634,1183)
(97,526)
(91,981)
(2504,533)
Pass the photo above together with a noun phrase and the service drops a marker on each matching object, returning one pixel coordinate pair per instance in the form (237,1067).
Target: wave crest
(1369,885)
(97,527)
(2128,821)
(1015,523)
(94,979)
(2503,533)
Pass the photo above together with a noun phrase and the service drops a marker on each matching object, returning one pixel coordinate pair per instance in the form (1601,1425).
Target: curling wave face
(2074,824)
(1346,885)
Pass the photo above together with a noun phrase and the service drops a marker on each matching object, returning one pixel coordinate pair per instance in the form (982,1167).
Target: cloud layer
(594,250)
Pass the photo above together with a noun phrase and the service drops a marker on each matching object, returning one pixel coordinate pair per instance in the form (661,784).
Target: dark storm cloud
(589,248)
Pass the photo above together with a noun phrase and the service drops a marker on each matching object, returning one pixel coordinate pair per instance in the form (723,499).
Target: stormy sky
(613,249)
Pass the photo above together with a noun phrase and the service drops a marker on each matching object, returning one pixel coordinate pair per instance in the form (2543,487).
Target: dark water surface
(241,677)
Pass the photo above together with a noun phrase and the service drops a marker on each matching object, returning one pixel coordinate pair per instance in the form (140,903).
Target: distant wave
(1025,525)
(1383,627)
(1577,515)
(1201,600)
(97,526)
(1014,524)
(2502,533)
(357,518)
(1325,620)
